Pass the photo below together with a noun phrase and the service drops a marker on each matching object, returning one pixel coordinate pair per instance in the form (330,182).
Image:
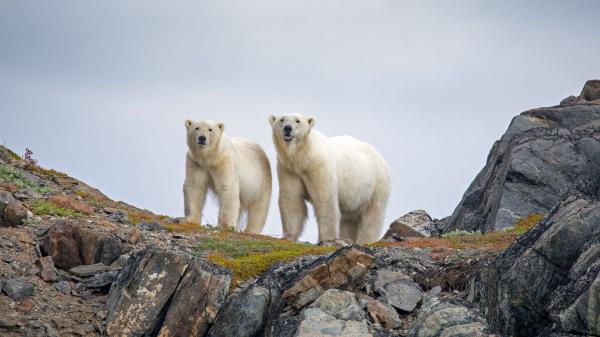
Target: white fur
(347,182)
(235,169)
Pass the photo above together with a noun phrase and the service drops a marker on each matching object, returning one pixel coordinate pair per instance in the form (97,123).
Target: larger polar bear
(236,170)
(347,181)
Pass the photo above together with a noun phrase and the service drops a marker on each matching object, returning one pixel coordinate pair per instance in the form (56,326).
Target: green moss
(11,175)
(42,207)
(248,257)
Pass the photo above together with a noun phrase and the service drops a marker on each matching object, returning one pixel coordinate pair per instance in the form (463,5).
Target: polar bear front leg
(194,191)
(227,188)
(292,206)
(323,191)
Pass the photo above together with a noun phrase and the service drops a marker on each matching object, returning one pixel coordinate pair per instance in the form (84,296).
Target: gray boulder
(339,304)
(314,322)
(18,288)
(445,319)
(398,290)
(545,154)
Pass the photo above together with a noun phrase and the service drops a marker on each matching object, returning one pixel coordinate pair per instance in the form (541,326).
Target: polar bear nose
(202,140)
(287,129)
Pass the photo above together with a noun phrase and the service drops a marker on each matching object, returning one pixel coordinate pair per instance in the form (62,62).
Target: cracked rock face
(333,273)
(549,277)
(544,154)
(166,294)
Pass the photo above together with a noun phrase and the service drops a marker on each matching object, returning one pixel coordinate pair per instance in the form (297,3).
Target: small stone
(25,306)
(18,288)
(398,289)
(48,271)
(384,314)
(434,292)
(86,270)
(134,236)
(7,259)
(63,286)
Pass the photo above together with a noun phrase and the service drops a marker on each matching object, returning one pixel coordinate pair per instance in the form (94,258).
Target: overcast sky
(101,89)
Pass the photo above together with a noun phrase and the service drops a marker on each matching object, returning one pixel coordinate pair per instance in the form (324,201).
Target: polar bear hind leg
(257,214)
(371,220)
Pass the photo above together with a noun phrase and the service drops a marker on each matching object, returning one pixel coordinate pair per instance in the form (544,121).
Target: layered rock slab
(161,293)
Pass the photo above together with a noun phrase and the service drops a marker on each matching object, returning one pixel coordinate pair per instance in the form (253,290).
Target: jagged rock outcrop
(545,154)
(160,293)
(548,279)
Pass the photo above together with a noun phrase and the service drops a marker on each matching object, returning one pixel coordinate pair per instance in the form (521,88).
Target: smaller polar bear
(236,170)
(347,181)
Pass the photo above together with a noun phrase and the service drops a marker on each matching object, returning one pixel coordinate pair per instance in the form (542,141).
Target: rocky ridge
(75,263)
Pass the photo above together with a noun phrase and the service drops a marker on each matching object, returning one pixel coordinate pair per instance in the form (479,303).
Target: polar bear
(236,170)
(347,181)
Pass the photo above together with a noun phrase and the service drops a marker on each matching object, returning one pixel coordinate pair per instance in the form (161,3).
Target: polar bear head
(203,134)
(291,128)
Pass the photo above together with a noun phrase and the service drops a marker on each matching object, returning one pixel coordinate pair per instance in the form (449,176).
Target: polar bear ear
(272,119)
(311,121)
(188,123)
(221,126)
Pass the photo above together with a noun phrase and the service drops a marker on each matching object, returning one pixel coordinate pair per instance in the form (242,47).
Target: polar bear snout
(202,140)
(287,133)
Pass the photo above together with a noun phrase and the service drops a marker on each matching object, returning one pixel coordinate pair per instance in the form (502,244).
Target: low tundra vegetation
(42,207)
(498,240)
(9,174)
(250,255)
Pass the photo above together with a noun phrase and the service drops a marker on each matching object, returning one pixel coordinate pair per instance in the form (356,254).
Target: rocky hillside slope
(75,263)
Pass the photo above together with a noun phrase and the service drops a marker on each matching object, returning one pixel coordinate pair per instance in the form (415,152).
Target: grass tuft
(42,207)
(182,227)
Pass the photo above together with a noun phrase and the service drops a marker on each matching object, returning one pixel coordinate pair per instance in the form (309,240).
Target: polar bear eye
(197,128)
(209,130)
(282,120)
(297,121)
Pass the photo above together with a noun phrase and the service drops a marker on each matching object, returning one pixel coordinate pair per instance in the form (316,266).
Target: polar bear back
(359,168)
(253,163)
